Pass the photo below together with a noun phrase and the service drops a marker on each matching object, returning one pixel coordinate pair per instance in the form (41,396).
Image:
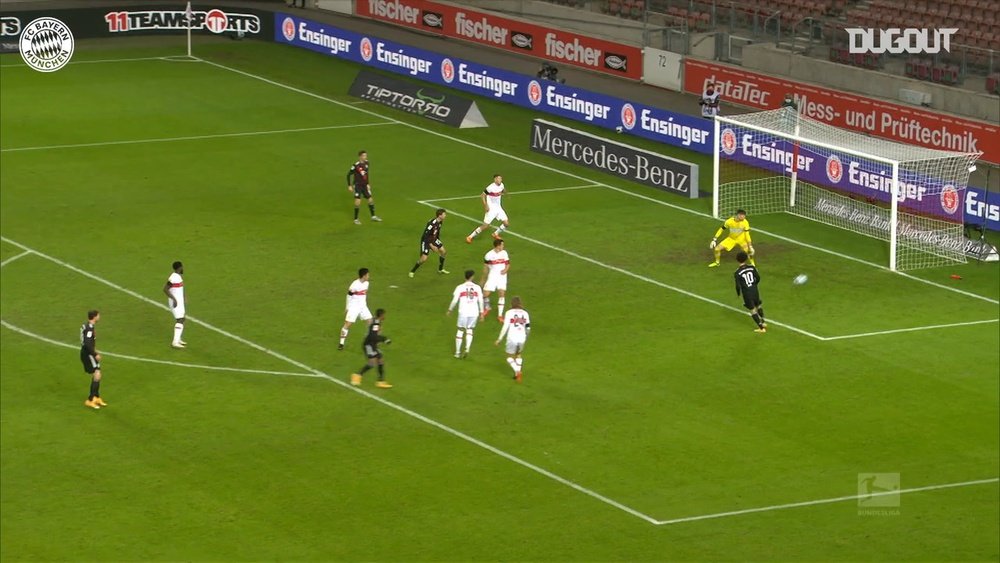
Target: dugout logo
(628,116)
(288,29)
(534,93)
(949,199)
(834,169)
(366,49)
(46,44)
(727,141)
(447,70)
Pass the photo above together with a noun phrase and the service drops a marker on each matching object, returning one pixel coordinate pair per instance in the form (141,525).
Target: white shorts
(467,322)
(358,311)
(494,213)
(515,347)
(178,311)
(494,283)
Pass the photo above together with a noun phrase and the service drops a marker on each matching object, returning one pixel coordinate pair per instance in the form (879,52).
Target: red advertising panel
(558,46)
(905,124)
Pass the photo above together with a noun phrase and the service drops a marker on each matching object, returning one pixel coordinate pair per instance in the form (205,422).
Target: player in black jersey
(91,359)
(747,279)
(431,240)
(373,353)
(357,182)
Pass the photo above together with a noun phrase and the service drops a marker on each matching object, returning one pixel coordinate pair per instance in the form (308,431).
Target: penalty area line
(366,394)
(193,137)
(523,192)
(825,501)
(912,329)
(12,258)
(47,340)
(631,274)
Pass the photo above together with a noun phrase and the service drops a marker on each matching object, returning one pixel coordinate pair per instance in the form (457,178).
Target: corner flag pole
(189,14)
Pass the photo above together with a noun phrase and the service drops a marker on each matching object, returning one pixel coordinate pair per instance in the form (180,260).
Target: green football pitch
(652,422)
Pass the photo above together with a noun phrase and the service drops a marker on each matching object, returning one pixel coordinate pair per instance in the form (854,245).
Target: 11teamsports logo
(949,199)
(834,169)
(727,141)
(288,29)
(447,70)
(46,44)
(628,116)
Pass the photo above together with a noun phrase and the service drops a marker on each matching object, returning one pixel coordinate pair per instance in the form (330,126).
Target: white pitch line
(523,192)
(12,258)
(97,61)
(912,329)
(192,137)
(632,274)
(825,501)
(152,360)
(456,433)
(584,178)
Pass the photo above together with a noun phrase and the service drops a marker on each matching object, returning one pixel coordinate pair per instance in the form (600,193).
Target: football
(800,279)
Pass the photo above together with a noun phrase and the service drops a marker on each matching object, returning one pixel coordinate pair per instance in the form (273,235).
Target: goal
(911,197)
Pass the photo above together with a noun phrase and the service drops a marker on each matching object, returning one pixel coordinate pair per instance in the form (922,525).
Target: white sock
(178,329)
(458,342)
(512,364)
(468,340)
(486,304)
(501,228)
(519,362)
(476,232)
(343,335)
(500,302)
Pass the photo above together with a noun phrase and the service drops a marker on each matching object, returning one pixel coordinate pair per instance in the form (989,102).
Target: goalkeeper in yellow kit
(738,229)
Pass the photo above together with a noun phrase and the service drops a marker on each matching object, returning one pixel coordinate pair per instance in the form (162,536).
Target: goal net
(911,197)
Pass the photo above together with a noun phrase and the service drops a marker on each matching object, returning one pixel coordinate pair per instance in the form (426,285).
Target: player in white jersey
(496,264)
(709,102)
(469,298)
(357,304)
(516,325)
(174,289)
(493,209)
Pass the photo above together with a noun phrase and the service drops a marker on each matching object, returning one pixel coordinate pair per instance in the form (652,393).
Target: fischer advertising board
(659,125)
(849,111)
(467,24)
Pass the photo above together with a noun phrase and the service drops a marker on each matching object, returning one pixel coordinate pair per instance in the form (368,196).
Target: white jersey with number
(177,292)
(710,104)
(469,298)
(516,324)
(496,261)
(357,301)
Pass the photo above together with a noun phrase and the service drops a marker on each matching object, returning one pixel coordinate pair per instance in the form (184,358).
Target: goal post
(910,197)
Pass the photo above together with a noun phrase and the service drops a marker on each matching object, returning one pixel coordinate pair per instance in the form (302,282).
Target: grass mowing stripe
(193,137)
(570,174)
(630,273)
(345,385)
(827,501)
(47,340)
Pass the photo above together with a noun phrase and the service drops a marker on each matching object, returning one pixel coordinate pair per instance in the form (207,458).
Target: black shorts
(751,299)
(90,363)
(362,192)
(425,247)
(372,352)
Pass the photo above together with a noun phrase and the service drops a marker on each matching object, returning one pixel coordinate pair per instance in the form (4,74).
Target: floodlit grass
(645,386)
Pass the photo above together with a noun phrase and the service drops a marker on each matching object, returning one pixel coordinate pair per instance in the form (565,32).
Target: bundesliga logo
(46,44)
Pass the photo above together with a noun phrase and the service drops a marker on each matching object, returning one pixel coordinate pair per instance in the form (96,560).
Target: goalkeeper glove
(751,250)
(712,244)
